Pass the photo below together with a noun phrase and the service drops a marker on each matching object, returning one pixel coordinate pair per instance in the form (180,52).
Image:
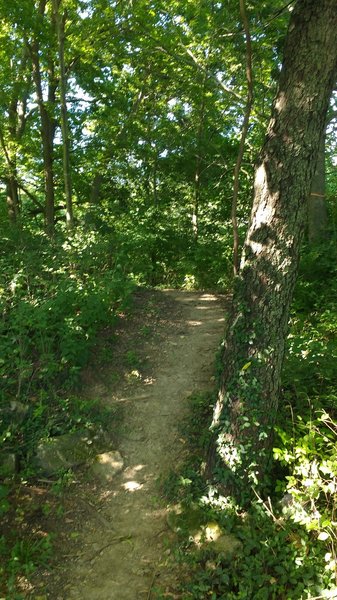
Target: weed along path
(168,350)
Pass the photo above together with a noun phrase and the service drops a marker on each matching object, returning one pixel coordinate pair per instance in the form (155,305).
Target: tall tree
(60,16)
(46,106)
(15,90)
(318,221)
(244,133)
(254,348)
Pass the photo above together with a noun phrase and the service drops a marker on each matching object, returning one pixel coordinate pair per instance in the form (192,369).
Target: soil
(113,539)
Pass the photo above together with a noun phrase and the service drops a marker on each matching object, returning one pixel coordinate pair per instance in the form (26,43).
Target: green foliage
(158,248)
(55,298)
(274,562)
(312,343)
(306,439)
(21,558)
(132,358)
(277,557)
(309,451)
(4,503)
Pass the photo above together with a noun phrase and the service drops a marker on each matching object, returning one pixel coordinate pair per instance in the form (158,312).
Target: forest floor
(113,541)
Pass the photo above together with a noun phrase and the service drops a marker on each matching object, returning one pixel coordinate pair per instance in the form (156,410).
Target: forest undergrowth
(56,298)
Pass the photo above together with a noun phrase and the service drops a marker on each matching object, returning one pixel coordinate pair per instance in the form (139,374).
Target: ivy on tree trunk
(253,352)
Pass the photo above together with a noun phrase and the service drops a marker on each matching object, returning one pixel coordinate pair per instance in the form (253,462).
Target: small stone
(107,465)
(95,547)
(227,545)
(224,544)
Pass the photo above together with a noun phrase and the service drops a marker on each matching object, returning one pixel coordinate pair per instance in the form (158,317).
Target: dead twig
(96,514)
(117,540)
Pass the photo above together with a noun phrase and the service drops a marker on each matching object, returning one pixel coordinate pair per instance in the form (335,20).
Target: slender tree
(244,132)
(318,220)
(14,100)
(254,347)
(60,21)
(46,110)
(317,208)
(198,157)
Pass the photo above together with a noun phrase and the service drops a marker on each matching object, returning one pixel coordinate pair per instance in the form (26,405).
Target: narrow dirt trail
(122,553)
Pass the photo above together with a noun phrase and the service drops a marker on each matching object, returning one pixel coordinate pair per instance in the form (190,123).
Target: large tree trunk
(253,352)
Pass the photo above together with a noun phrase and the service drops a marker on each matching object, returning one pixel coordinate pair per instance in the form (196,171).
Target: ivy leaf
(246,366)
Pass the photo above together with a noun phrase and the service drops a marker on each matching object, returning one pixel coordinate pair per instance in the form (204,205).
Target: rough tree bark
(254,347)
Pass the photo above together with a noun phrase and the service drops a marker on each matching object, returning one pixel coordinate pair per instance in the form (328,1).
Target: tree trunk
(253,352)
(16,124)
(10,180)
(198,163)
(244,132)
(60,28)
(12,198)
(96,188)
(317,208)
(47,127)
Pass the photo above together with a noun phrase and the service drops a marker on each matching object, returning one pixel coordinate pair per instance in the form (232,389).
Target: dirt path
(122,553)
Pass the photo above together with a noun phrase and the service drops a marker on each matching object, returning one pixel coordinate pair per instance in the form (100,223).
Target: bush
(55,296)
